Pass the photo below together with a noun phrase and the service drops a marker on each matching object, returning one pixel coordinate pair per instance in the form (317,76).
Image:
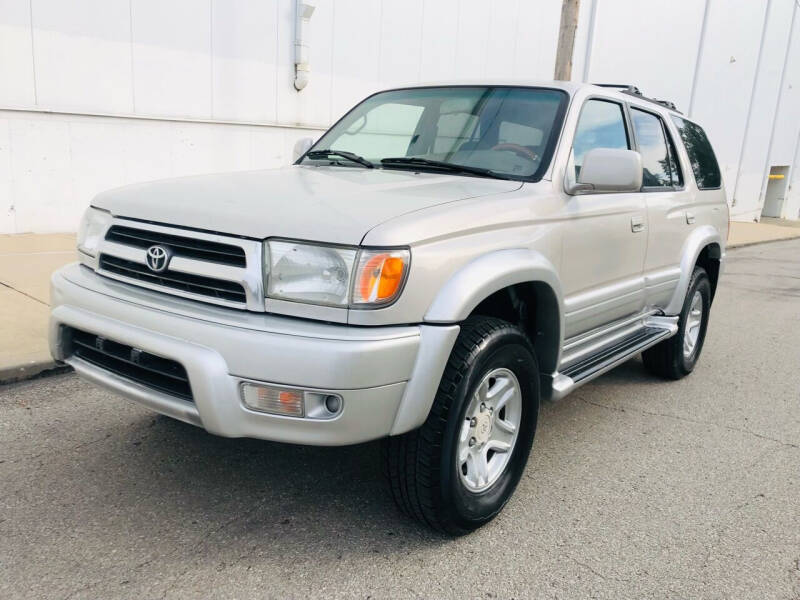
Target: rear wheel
(676,357)
(458,470)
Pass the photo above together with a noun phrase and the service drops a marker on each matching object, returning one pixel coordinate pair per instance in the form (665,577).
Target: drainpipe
(301,35)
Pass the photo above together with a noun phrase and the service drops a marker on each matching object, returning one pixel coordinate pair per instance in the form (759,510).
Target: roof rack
(627,88)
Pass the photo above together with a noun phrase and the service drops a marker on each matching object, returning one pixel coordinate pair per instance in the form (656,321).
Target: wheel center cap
(483,427)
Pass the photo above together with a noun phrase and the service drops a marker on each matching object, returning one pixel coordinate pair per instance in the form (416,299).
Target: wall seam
(516,41)
(587,56)
(380,41)
(133,77)
(790,175)
(485,53)
(330,65)
(12,179)
(421,38)
(211,56)
(458,32)
(778,103)
(700,46)
(277,54)
(33,55)
(333,62)
(165,119)
(753,90)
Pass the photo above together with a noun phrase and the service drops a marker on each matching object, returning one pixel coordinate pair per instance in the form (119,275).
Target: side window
(656,160)
(601,125)
(675,165)
(701,154)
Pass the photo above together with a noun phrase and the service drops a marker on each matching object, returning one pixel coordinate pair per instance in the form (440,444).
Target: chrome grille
(193,284)
(204,266)
(198,249)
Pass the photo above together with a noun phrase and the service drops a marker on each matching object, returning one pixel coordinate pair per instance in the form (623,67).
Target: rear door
(605,234)
(668,203)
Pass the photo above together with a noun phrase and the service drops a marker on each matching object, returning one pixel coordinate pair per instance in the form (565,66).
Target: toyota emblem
(158,258)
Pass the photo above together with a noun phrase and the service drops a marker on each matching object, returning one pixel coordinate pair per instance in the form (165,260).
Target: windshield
(500,131)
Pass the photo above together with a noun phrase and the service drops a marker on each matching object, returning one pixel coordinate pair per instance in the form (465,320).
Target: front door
(605,235)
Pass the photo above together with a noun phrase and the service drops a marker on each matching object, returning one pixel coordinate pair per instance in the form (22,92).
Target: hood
(327,204)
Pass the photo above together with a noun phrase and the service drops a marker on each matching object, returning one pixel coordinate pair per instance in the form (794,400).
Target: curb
(759,242)
(31,370)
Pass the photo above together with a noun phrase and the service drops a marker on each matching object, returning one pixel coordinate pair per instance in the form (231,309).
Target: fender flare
(489,273)
(694,244)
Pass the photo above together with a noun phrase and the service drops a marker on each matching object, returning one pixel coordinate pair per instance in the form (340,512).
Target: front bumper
(386,376)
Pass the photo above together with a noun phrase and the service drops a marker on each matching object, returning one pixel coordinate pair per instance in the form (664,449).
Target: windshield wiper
(352,157)
(440,164)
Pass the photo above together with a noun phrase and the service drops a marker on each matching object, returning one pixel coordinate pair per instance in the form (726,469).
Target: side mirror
(301,146)
(607,170)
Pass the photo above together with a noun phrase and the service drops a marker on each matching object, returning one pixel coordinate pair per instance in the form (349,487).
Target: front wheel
(459,469)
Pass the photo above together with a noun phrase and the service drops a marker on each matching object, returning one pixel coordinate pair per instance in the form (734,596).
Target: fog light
(333,404)
(276,401)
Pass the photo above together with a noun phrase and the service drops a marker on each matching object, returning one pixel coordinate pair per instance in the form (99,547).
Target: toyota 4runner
(437,264)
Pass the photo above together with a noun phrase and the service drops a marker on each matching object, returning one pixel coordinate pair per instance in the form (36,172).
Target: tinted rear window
(701,155)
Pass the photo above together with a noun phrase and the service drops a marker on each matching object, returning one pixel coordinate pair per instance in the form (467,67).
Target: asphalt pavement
(636,488)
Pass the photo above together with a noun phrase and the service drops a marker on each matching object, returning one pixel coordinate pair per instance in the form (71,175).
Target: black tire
(421,467)
(667,359)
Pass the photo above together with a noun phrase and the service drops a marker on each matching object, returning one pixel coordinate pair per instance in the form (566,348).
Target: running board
(656,329)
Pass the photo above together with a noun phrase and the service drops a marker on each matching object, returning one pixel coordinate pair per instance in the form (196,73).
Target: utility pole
(566,39)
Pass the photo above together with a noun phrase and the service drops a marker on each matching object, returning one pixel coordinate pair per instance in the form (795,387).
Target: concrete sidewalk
(767,230)
(27,260)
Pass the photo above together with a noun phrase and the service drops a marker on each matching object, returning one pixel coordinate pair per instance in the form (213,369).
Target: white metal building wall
(99,93)
(733,65)
(196,67)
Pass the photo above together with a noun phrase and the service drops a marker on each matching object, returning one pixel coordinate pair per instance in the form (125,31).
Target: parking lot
(636,488)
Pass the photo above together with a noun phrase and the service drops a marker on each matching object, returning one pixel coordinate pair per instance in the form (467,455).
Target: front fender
(484,276)
(697,240)
(487,274)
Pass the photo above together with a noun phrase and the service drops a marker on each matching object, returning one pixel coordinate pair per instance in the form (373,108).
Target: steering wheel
(518,150)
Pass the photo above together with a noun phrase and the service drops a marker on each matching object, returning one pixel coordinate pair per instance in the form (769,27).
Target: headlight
(306,273)
(334,276)
(93,225)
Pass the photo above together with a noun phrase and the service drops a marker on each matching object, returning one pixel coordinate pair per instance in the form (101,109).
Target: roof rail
(627,88)
(668,103)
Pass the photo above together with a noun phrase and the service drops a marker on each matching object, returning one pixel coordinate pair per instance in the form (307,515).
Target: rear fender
(697,240)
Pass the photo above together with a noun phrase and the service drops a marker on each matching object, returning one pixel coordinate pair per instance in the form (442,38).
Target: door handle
(637,224)
(689,218)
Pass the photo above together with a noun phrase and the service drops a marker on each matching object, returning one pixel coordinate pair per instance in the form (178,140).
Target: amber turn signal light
(380,276)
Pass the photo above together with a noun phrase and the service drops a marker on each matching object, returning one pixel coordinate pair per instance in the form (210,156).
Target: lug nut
(472,441)
(483,407)
(473,421)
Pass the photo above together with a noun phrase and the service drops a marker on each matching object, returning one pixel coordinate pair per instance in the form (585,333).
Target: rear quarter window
(701,154)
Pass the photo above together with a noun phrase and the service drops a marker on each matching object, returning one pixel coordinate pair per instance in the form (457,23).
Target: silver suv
(436,265)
